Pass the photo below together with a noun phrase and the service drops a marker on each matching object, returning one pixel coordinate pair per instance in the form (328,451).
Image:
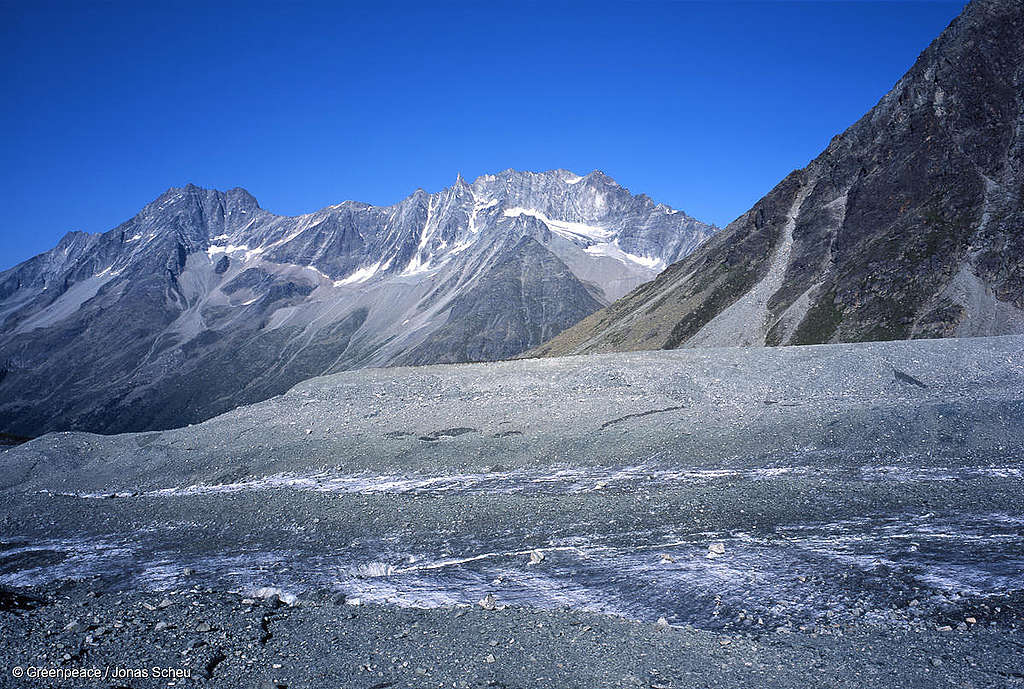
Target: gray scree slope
(204,301)
(909,225)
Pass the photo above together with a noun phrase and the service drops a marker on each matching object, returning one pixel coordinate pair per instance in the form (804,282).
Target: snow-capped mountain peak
(205,291)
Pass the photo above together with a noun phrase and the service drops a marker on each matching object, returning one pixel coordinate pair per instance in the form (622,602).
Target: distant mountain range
(909,225)
(204,301)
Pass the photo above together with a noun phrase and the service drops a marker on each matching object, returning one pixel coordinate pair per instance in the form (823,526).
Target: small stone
(160,626)
(204,627)
(716,550)
(971,620)
(188,571)
(274,597)
(489,658)
(666,558)
(662,623)
(165,603)
(536,557)
(944,628)
(936,662)
(488,602)
(74,626)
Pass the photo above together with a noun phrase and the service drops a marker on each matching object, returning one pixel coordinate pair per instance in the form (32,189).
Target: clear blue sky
(701,105)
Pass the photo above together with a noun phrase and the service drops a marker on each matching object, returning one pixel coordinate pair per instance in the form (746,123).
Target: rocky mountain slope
(909,225)
(204,301)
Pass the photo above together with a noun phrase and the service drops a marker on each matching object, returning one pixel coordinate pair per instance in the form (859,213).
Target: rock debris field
(843,515)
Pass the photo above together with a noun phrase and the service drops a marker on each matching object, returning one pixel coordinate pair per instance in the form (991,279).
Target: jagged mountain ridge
(909,225)
(204,301)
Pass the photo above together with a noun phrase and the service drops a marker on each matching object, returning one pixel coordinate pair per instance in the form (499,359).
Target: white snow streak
(234,249)
(361,275)
(569,230)
(612,250)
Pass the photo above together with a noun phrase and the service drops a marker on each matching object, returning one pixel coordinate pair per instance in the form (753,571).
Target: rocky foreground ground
(820,516)
(197,636)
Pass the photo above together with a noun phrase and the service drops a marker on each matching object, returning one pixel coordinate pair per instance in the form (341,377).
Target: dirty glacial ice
(784,488)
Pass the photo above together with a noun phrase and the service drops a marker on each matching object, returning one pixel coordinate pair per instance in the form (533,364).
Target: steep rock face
(527,296)
(910,224)
(204,301)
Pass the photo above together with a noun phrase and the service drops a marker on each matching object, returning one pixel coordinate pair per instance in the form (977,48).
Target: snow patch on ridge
(477,207)
(569,230)
(234,249)
(612,250)
(361,275)
(416,266)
